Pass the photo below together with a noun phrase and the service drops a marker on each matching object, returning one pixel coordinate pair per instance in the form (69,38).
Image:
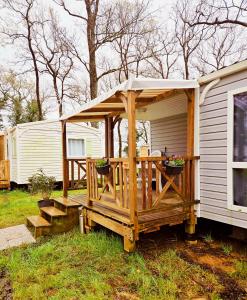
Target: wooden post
(106,138)
(111,137)
(132,160)
(65,162)
(190,226)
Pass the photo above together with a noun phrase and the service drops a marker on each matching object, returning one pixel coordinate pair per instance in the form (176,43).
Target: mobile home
(221,142)
(37,145)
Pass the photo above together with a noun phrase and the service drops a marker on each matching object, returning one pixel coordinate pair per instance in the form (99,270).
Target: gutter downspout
(207,89)
(200,99)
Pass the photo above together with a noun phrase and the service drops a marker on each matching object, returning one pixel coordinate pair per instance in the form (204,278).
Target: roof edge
(224,72)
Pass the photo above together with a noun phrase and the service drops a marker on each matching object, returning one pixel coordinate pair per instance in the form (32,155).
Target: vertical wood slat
(157,178)
(114,179)
(120,172)
(79,172)
(65,161)
(125,188)
(144,191)
(96,181)
(150,184)
(88,182)
(72,174)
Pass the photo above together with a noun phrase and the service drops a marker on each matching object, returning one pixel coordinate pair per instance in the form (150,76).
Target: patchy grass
(208,238)
(94,266)
(241,269)
(226,248)
(16,205)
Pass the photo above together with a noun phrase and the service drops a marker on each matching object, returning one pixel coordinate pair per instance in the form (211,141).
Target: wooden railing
(152,169)
(4,174)
(114,190)
(77,173)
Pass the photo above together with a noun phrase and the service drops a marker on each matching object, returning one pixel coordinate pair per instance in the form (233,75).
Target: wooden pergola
(119,205)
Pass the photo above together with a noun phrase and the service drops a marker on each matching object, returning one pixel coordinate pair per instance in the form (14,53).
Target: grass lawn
(16,205)
(94,266)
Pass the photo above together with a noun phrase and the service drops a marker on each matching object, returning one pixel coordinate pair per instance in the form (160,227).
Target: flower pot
(45,203)
(104,170)
(173,170)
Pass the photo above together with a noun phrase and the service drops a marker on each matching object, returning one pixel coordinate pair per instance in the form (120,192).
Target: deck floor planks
(163,214)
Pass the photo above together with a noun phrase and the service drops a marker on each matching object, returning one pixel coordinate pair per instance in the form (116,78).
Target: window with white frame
(237,149)
(76,148)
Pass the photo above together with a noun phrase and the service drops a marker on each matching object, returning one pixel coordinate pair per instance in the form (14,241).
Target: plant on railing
(174,165)
(41,183)
(102,166)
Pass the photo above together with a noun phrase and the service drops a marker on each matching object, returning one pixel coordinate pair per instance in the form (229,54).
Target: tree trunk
(92,11)
(59,100)
(36,71)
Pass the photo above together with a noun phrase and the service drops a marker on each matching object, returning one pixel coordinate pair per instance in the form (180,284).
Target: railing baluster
(144,191)
(120,172)
(125,188)
(157,179)
(150,184)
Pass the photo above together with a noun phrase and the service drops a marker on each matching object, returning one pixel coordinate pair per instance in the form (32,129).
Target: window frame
(85,148)
(230,144)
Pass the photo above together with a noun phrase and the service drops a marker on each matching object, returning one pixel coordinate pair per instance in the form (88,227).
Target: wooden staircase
(62,216)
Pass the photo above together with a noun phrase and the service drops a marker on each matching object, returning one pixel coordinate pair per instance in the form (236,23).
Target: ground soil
(5,286)
(209,256)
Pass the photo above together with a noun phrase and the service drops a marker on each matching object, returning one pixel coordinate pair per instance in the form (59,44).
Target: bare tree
(53,48)
(220,50)
(220,12)
(164,56)
(102,28)
(189,38)
(21,13)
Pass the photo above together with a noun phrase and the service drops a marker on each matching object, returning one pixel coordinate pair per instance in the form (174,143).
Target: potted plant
(41,183)
(174,165)
(102,166)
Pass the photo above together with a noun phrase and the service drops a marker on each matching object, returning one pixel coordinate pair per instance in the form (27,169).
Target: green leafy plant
(208,238)
(227,249)
(174,161)
(41,183)
(101,163)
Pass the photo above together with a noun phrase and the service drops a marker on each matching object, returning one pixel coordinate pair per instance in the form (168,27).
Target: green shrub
(41,183)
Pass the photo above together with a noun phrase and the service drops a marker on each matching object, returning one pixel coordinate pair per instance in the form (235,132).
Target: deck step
(67,202)
(38,221)
(53,211)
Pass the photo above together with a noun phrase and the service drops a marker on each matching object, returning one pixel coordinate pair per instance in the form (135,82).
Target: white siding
(171,133)
(213,152)
(40,146)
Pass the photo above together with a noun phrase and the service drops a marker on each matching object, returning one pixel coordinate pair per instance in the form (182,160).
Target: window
(76,148)
(237,150)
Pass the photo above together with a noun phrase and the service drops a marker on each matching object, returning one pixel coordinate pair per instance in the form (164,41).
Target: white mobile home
(36,145)
(220,141)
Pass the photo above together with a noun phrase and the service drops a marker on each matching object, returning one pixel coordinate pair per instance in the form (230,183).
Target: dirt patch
(5,286)
(232,290)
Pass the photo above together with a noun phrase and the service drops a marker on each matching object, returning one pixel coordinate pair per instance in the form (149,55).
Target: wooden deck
(170,211)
